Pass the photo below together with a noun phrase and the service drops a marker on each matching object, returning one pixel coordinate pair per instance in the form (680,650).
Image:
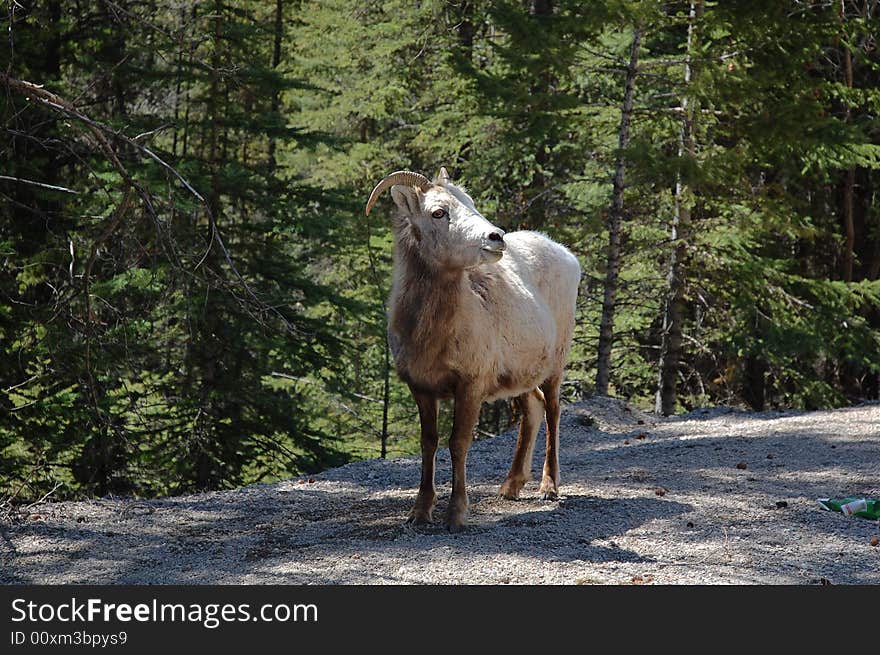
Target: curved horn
(398,177)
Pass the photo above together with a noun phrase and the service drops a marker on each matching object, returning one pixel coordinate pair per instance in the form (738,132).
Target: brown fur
(422,315)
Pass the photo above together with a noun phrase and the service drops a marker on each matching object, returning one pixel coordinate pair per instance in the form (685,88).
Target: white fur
(521,329)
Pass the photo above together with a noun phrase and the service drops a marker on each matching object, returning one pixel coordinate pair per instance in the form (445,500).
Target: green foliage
(145,353)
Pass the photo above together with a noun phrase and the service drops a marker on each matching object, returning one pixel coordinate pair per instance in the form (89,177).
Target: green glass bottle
(865,508)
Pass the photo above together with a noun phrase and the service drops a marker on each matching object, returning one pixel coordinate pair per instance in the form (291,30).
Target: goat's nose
(496,236)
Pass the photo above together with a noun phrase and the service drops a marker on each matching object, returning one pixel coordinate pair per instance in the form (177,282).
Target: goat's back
(547,267)
(535,315)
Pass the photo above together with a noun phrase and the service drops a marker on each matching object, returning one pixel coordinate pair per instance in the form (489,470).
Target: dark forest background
(191,297)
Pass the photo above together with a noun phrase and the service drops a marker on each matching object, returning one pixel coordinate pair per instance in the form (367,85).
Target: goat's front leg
(467,410)
(429,406)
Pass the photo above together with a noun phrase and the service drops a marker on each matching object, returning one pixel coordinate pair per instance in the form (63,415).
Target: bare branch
(42,185)
(36,93)
(44,496)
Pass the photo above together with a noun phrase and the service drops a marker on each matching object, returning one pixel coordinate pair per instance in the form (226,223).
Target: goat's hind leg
(429,407)
(531,406)
(550,478)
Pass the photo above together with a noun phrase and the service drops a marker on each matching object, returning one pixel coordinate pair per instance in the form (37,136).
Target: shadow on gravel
(165,548)
(299,533)
(7,556)
(577,528)
(584,527)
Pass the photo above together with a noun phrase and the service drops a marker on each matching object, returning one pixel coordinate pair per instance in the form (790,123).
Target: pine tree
(156,374)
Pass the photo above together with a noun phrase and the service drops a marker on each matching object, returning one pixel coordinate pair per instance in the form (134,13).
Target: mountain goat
(476,315)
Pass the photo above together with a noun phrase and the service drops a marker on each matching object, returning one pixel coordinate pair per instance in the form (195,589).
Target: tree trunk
(541,7)
(612,269)
(189,68)
(178,85)
(849,181)
(535,211)
(386,398)
(207,350)
(754,382)
(670,349)
(466,29)
(276,61)
(849,229)
(214,113)
(873,268)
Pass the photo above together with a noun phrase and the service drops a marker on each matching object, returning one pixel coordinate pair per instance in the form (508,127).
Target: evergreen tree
(191,297)
(145,357)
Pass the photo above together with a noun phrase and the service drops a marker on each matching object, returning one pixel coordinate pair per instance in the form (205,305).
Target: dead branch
(44,496)
(42,185)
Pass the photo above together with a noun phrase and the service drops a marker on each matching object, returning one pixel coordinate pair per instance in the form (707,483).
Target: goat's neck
(425,299)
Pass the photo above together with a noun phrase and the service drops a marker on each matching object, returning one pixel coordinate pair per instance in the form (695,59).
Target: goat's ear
(443,175)
(406,197)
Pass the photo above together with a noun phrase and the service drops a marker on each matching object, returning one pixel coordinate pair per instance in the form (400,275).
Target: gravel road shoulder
(644,500)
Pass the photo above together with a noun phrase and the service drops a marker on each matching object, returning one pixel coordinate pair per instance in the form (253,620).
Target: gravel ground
(643,500)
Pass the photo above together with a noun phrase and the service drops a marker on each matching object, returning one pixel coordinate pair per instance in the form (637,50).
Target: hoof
(419,517)
(421,514)
(456,522)
(510,489)
(455,527)
(422,509)
(548,489)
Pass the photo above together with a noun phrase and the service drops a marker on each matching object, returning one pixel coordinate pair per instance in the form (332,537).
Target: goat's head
(439,219)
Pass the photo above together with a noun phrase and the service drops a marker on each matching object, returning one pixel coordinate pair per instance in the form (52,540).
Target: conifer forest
(191,295)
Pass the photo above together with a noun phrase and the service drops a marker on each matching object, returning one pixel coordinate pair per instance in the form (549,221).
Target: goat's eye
(439,213)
